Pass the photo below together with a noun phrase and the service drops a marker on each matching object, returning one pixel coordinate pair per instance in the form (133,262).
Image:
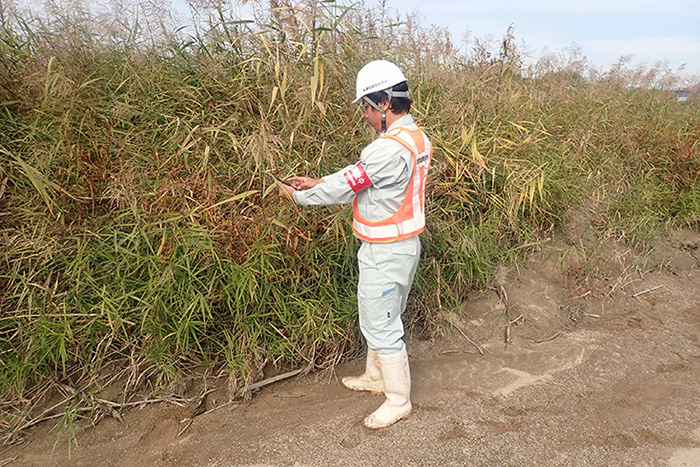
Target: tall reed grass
(140,230)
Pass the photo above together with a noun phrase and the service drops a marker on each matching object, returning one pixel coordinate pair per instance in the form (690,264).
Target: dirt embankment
(602,368)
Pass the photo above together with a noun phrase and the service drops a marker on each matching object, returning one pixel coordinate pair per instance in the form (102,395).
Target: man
(386,188)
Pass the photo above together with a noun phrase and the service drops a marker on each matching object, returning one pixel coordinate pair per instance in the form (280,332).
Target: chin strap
(390,94)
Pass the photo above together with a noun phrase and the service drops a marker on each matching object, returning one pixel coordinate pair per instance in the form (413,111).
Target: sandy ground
(602,368)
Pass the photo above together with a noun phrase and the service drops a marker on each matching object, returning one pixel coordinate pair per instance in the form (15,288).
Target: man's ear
(385,104)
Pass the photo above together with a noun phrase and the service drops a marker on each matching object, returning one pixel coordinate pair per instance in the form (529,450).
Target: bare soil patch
(602,368)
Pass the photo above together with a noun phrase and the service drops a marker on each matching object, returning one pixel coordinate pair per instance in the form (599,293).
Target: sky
(605,30)
(650,31)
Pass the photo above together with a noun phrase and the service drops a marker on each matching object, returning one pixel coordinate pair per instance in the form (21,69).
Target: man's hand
(304,183)
(286,191)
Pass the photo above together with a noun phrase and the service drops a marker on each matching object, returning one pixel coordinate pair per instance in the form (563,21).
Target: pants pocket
(380,316)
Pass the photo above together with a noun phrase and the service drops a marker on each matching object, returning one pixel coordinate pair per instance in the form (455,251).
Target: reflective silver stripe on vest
(390,231)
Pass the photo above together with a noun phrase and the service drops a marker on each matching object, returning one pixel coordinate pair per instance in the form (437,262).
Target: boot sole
(371,391)
(387,426)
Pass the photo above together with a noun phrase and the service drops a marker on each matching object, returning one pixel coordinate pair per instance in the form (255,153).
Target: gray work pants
(386,275)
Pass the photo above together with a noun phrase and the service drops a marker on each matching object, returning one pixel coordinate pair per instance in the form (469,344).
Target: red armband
(357,178)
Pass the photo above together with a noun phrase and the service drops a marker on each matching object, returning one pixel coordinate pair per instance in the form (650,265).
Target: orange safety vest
(409,220)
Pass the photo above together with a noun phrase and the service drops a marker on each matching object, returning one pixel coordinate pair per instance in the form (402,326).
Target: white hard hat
(378,75)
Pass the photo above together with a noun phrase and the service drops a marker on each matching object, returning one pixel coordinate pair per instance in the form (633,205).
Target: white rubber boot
(397,389)
(371,380)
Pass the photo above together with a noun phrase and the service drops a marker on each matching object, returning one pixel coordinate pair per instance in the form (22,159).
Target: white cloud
(675,50)
(648,7)
(554,25)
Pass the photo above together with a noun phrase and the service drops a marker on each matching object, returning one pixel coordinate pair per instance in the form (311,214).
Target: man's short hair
(398,105)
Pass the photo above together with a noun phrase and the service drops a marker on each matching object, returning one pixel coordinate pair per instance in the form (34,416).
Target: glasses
(364,106)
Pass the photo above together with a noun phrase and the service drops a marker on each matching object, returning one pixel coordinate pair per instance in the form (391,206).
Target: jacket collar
(403,121)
